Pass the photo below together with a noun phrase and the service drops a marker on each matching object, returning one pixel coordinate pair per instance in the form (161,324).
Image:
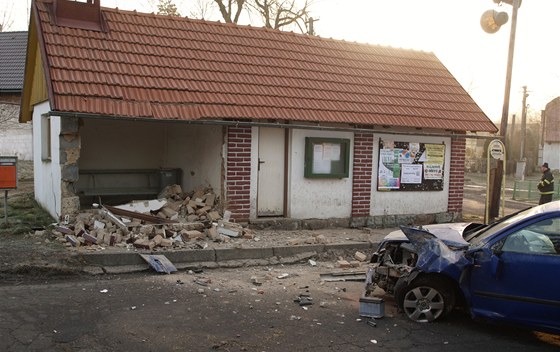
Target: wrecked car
(506,271)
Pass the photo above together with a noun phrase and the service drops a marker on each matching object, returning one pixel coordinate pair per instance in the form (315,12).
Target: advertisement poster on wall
(406,166)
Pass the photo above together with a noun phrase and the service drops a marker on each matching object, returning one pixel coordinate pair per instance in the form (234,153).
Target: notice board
(410,166)
(8,172)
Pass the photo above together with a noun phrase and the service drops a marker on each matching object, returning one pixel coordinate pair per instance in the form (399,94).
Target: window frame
(46,148)
(342,166)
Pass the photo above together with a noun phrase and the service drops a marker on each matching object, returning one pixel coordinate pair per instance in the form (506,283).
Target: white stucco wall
(316,198)
(48,191)
(122,144)
(551,155)
(197,150)
(15,138)
(409,202)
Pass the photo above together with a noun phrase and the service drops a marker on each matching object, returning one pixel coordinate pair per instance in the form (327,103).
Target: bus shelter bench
(119,182)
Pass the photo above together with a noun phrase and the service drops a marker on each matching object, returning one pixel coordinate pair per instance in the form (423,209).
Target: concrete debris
(343,264)
(303,300)
(173,221)
(72,240)
(144,206)
(360,256)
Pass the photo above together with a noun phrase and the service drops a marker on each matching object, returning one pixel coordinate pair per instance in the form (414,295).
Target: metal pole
(6,206)
(497,184)
(523,124)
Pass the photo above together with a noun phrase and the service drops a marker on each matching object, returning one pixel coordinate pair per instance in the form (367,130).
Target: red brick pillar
(238,172)
(457,175)
(362,171)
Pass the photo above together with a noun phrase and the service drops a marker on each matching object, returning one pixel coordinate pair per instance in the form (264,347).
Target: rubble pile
(174,220)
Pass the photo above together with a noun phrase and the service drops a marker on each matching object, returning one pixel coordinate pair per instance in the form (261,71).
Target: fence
(527,190)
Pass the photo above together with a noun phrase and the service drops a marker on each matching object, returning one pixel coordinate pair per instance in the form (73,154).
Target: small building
(15,138)
(279,125)
(551,134)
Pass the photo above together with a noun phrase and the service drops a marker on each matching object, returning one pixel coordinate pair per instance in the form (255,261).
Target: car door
(515,277)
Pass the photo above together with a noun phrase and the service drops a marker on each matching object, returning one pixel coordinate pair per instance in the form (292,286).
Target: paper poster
(389,169)
(331,151)
(317,152)
(335,152)
(433,171)
(435,153)
(411,173)
(405,156)
(411,166)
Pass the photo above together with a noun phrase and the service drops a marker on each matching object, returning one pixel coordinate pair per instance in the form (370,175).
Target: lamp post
(498,21)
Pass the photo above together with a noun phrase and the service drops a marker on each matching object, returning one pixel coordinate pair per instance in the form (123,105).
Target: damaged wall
(121,144)
(48,192)
(195,149)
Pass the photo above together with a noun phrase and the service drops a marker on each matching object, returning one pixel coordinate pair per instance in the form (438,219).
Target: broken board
(343,276)
(159,263)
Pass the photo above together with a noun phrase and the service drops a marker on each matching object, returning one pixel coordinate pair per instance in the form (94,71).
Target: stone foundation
(374,222)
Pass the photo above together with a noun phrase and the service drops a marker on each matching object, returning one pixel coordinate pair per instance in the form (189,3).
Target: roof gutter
(269,124)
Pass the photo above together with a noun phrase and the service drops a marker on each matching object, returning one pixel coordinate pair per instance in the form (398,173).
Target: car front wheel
(426,299)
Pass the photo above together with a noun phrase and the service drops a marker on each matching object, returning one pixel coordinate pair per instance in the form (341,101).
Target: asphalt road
(225,311)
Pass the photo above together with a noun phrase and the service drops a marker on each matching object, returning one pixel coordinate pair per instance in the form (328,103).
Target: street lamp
(491,23)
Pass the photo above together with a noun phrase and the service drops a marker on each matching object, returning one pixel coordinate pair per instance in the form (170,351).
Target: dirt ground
(27,248)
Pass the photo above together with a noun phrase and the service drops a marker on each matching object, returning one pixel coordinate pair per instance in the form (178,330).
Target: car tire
(426,299)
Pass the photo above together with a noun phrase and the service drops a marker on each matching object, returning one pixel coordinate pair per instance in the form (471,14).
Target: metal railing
(527,190)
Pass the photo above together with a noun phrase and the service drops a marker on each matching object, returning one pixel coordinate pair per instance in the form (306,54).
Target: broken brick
(360,256)
(343,264)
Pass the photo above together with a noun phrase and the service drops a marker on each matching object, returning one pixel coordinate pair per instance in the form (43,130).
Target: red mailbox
(8,172)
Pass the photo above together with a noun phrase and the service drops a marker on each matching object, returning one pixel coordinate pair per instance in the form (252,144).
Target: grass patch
(24,215)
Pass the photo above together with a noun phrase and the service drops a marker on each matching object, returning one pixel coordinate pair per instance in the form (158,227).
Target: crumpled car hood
(450,234)
(434,255)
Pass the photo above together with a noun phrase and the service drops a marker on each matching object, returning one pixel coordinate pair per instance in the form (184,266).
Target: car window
(542,237)
(476,238)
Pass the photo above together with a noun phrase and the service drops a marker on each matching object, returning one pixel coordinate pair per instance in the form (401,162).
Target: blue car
(507,271)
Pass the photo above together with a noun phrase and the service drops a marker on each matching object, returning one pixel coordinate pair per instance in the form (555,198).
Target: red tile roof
(162,67)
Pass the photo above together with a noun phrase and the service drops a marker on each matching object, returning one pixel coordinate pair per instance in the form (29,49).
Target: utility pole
(512,132)
(497,178)
(523,123)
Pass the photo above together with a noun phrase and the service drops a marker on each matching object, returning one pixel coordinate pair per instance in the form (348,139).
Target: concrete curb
(117,263)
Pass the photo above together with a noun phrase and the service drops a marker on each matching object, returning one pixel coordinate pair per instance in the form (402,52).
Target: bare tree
(279,14)
(167,7)
(276,14)
(231,9)
(202,9)
(6,19)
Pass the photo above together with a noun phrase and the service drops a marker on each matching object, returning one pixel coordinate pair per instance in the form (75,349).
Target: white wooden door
(270,193)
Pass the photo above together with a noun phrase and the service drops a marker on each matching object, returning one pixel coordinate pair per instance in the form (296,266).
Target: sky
(449,28)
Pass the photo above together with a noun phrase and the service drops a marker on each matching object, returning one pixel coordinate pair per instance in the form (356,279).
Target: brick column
(362,171)
(456,175)
(238,172)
